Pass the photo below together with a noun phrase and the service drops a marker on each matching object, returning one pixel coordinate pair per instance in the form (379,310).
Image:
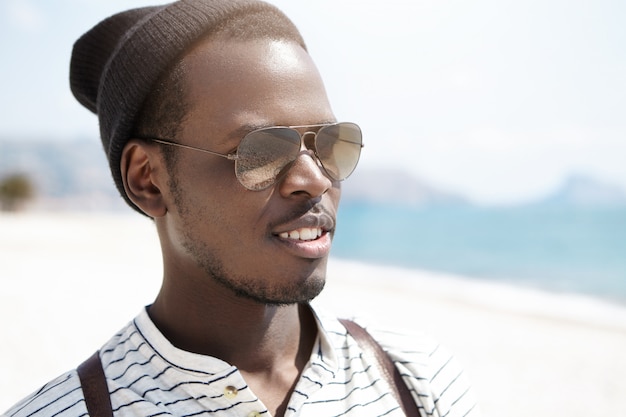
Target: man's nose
(305,176)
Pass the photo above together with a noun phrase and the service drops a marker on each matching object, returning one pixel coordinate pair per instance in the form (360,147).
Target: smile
(304,233)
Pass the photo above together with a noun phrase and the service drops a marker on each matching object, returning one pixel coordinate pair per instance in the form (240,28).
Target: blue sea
(560,249)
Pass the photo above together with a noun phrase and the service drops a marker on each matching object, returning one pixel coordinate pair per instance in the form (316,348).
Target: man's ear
(140,168)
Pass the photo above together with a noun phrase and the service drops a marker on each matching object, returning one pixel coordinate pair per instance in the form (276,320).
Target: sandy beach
(69,281)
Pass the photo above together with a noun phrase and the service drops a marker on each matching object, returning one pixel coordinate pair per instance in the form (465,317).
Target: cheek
(204,178)
(213,202)
(198,189)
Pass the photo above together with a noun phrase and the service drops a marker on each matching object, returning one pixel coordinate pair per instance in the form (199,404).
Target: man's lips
(316,248)
(310,226)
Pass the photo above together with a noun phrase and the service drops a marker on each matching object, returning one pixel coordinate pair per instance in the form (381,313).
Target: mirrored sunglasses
(263,154)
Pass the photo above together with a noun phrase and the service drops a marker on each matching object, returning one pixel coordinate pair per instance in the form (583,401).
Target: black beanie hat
(115,65)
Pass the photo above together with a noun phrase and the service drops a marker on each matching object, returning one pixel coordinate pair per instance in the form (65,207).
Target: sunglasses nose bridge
(307,140)
(307,147)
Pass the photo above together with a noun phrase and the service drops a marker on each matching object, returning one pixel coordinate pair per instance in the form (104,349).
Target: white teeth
(308,234)
(305,233)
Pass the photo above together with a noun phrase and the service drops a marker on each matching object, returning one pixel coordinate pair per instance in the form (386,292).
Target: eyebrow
(243,130)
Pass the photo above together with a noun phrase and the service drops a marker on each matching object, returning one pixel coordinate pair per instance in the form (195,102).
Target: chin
(298,293)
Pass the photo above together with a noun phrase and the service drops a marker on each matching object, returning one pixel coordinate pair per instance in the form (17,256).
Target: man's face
(223,232)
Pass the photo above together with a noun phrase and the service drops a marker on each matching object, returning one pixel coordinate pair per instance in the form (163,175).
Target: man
(217,126)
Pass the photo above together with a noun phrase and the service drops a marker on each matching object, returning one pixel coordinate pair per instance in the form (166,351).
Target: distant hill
(584,191)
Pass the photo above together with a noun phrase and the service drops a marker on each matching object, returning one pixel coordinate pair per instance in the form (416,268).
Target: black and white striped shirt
(148,376)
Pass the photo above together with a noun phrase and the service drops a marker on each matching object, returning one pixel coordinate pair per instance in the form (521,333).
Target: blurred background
(495,138)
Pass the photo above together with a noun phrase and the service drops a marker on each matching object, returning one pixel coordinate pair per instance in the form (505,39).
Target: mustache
(317,210)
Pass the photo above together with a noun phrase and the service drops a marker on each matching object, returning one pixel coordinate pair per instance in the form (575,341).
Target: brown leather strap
(94,387)
(386,366)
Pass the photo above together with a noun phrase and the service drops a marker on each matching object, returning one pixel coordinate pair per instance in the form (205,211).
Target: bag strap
(94,385)
(386,366)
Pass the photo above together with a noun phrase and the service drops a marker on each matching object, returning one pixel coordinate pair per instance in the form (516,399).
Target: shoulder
(434,376)
(62,397)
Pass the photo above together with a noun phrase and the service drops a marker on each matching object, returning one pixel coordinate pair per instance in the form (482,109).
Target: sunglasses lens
(263,153)
(338,147)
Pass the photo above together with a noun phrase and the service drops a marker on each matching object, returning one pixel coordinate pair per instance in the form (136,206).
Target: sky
(498,100)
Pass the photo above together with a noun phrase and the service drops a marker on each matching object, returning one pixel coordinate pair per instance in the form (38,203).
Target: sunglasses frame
(233,156)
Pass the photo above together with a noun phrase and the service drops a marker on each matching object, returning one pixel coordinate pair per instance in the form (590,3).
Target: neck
(252,336)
